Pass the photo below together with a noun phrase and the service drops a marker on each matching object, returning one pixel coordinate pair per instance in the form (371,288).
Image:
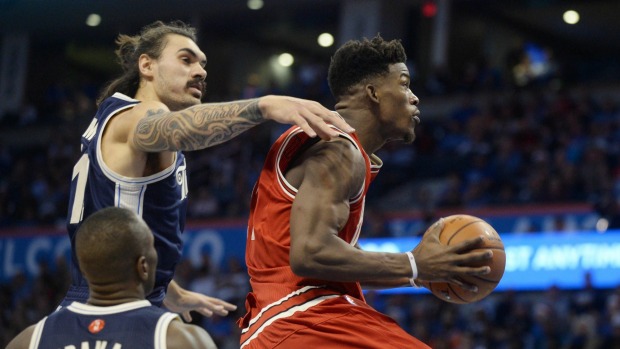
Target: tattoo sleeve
(197,127)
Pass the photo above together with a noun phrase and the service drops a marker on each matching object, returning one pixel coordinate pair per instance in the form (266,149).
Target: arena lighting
(571,17)
(255,4)
(286,59)
(325,40)
(429,9)
(93,20)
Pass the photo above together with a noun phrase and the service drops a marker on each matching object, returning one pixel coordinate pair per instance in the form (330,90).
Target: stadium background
(520,126)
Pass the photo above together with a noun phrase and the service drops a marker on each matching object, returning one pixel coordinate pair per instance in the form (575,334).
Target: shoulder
(22,340)
(337,164)
(342,149)
(123,123)
(182,335)
(338,155)
(142,110)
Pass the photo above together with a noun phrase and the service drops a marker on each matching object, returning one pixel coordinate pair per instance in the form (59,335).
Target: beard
(178,99)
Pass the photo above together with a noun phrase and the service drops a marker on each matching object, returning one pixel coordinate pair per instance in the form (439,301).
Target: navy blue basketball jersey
(131,325)
(160,199)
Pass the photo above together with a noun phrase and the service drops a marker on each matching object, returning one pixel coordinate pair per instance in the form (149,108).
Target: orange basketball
(458,228)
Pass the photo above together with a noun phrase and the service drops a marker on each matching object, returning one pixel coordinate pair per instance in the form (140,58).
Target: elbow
(306,262)
(301,266)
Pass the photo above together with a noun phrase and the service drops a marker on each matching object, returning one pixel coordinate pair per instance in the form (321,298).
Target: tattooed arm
(197,127)
(206,125)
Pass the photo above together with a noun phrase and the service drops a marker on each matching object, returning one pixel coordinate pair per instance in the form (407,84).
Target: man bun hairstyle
(151,41)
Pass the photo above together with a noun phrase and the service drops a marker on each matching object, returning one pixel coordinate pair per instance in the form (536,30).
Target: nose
(413,99)
(200,72)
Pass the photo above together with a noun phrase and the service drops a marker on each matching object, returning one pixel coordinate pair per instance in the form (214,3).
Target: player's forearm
(173,293)
(383,284)
(347,264)
(197,127)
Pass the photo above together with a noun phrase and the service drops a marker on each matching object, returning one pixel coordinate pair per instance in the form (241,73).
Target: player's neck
(113,294)
(146,92)
(108,302)
(365,128)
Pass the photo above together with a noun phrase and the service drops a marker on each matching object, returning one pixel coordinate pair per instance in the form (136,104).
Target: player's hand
(311,116)
(438,262)
(182,301)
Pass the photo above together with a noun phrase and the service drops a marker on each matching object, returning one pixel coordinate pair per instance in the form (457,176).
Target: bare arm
(206,125)
(188,336)
(330,175)
(22,340)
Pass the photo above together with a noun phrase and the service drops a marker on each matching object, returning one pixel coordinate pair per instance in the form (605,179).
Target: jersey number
(80,172)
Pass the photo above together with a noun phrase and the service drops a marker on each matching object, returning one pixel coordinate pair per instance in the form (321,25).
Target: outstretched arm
(206,125)
(331,174)
(182,301)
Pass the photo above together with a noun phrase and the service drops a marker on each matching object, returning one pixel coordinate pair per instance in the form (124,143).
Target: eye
(186,60)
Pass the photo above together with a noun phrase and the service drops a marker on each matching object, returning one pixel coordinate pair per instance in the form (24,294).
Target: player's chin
(409,137)
(192,101)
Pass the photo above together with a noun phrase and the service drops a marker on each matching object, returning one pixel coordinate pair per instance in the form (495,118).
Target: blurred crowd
(490,148)
(517,140)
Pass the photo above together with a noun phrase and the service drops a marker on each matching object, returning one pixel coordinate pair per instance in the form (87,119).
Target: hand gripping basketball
(456,230)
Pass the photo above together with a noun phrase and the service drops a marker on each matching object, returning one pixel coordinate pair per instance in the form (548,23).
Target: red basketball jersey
(277,292)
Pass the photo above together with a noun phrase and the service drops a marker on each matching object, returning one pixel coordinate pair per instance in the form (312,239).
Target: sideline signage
(539,260)
(534,261)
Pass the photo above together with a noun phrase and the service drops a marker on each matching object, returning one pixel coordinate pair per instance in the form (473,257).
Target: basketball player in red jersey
(307,209)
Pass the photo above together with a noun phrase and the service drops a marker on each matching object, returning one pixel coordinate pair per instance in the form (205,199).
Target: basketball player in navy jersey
(116,253)
(132,151)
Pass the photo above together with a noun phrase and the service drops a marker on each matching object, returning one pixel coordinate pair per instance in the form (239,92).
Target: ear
(145,64)
(372,92)
(143,268)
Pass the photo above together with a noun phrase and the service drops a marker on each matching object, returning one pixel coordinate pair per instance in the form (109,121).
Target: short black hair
(358,60)
(108,243)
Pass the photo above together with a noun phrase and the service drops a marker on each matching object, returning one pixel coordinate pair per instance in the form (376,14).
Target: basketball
(458,228)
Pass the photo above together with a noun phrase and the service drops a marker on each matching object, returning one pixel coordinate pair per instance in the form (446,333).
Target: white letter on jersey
(91,130)
(181,176)
(80,170)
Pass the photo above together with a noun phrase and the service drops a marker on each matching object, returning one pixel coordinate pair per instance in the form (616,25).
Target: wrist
(414,269)
(261,108)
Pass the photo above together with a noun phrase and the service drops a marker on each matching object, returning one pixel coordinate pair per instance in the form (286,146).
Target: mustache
(198,83)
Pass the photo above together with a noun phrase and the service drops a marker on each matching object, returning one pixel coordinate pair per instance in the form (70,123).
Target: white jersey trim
(88,309)
(36,334)
(284,184)
(161,330)
(124,97)
(117,178)
(129,192)
(288,313)
(281,179)
(278,302)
